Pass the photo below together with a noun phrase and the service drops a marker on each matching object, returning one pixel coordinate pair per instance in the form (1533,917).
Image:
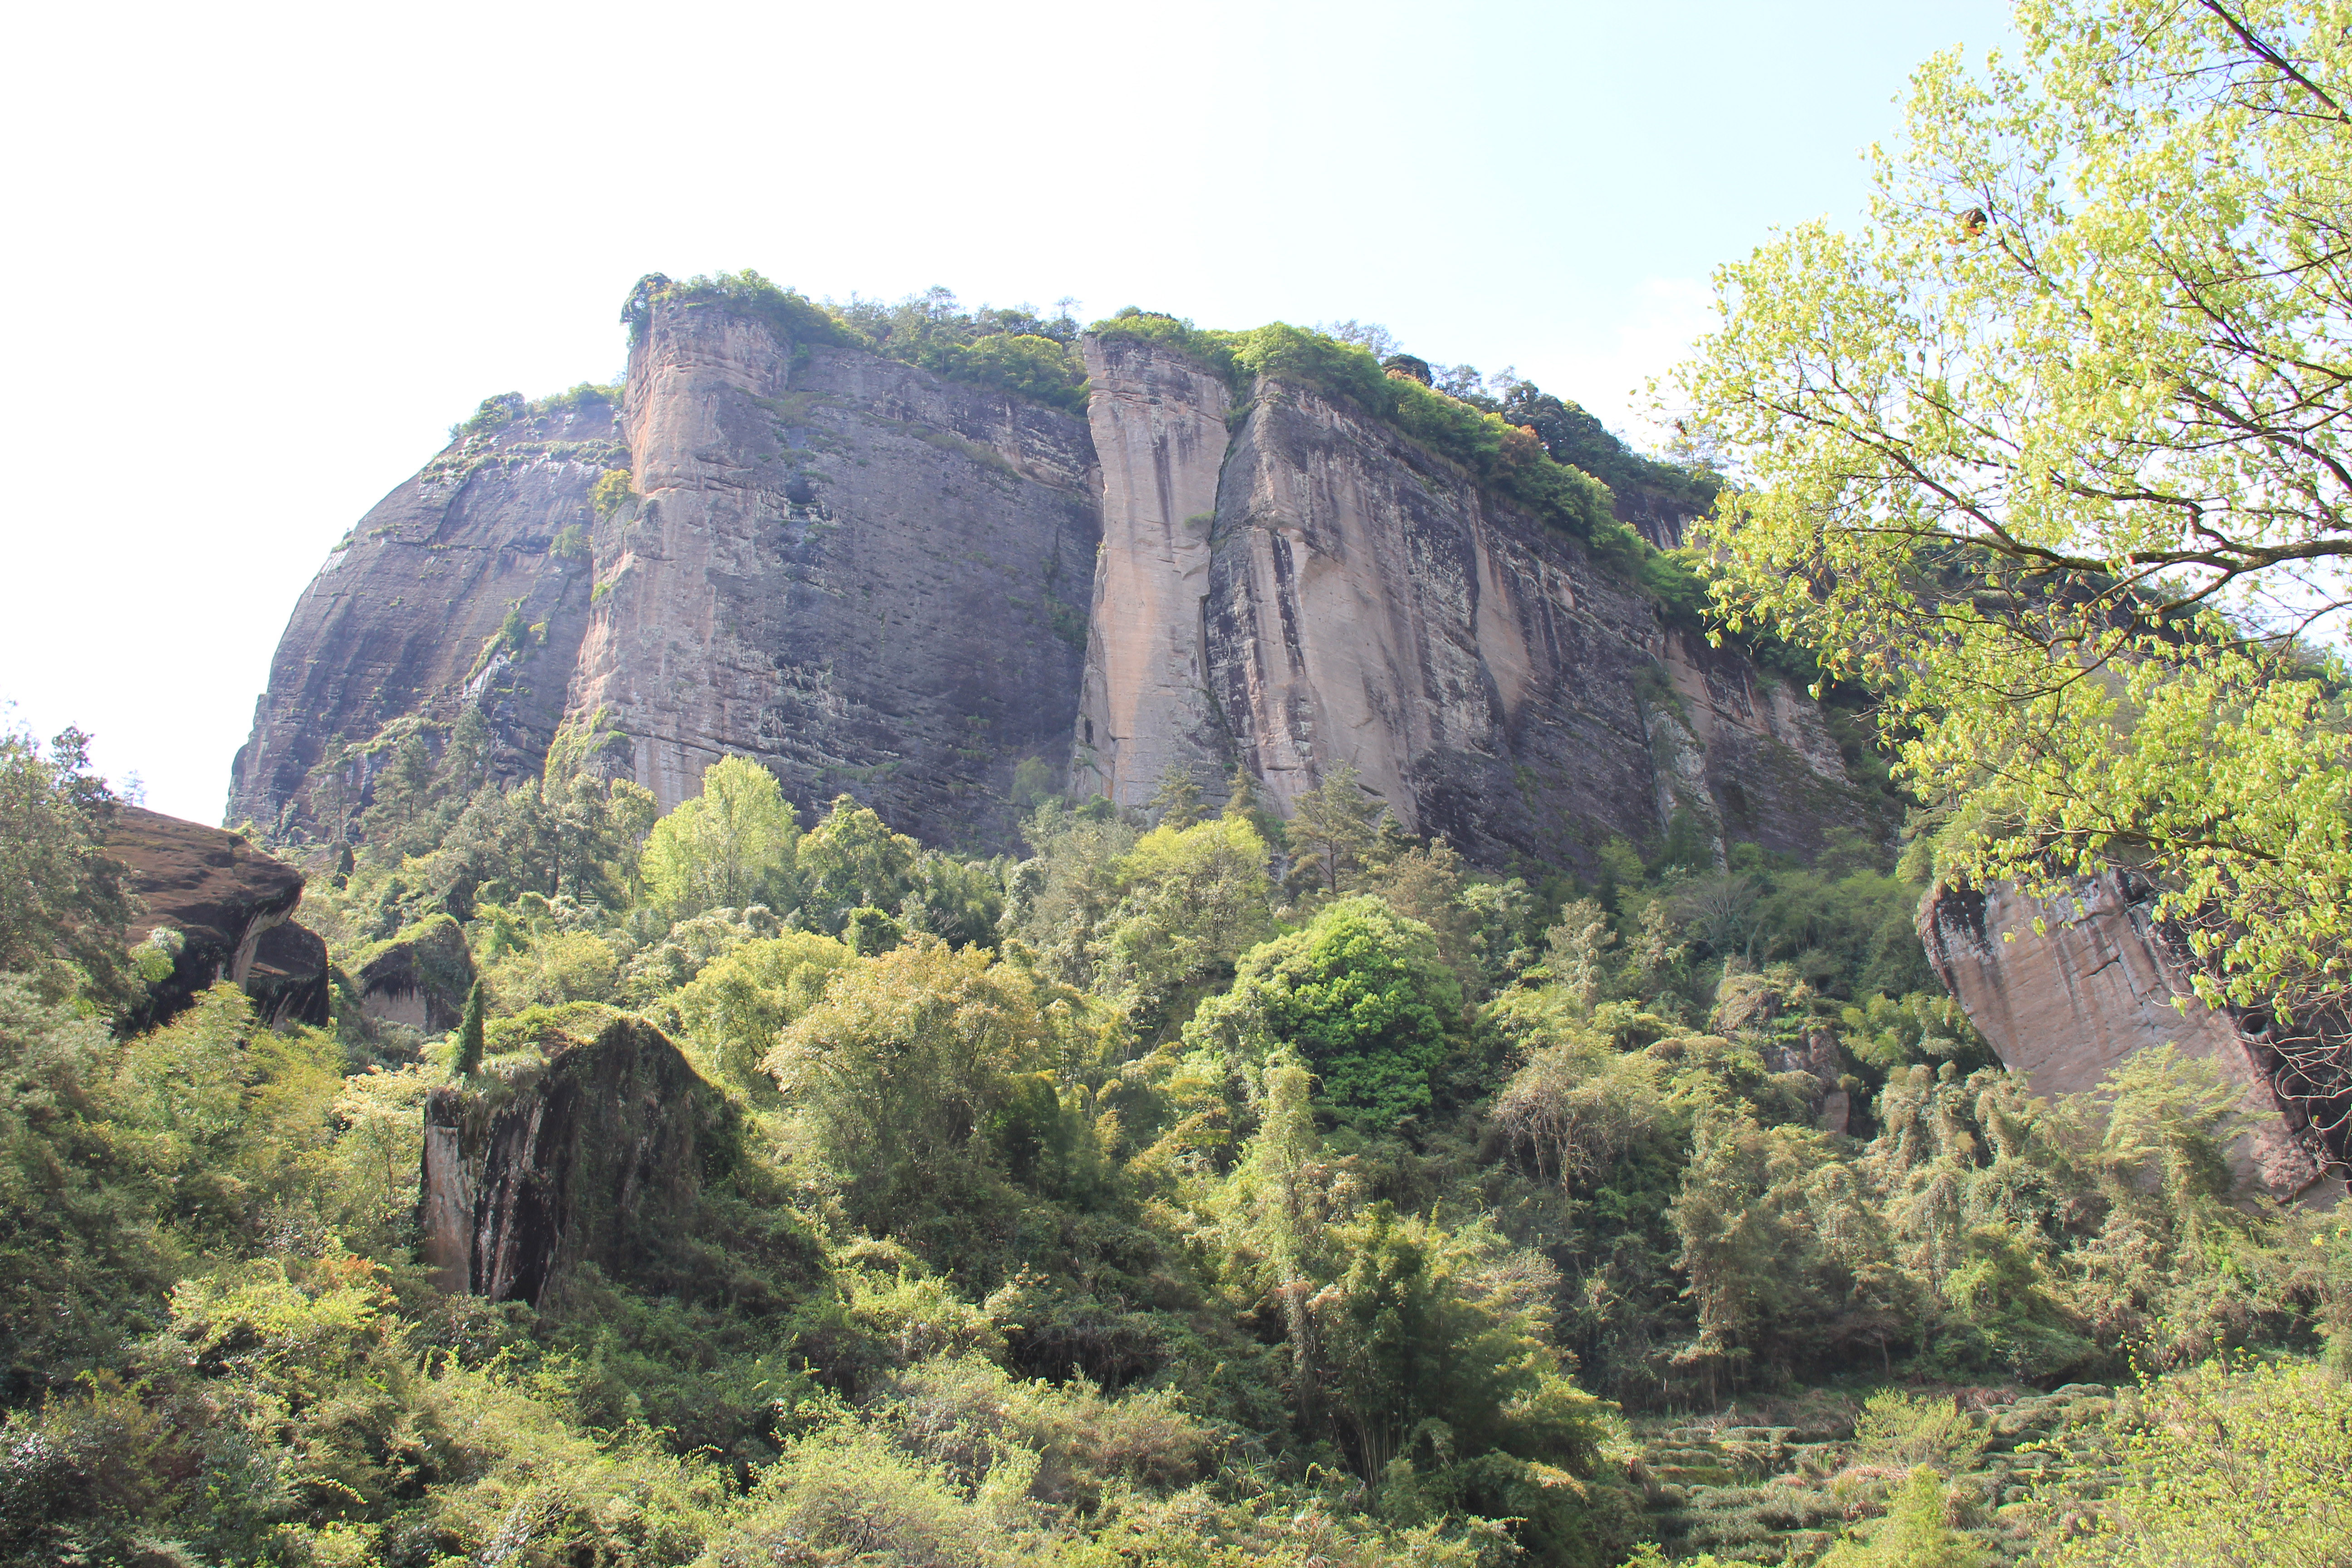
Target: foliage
(1012,350)
(2048,459)
(1497,451)
(851,860)
(468,1059)
(1914,1534)
(1362,996)
(2230,1464)
(734,844)
(731,1013)
(62,900)
(791,316)
(926,1069)
(613,489)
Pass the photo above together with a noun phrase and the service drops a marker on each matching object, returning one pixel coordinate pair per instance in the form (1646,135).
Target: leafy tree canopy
(1363,996)
(733,845)
(2052,456)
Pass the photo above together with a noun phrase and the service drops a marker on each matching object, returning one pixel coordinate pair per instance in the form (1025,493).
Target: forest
(1207,1183)
(1198,1187)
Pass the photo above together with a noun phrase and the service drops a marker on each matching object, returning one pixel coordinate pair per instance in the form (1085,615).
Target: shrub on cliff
(63,903)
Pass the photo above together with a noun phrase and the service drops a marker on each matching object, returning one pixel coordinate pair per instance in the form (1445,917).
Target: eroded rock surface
(230,904)
(869,578)
(1159,425)
(1366,603)
(597,1154)
(404,617)
(941,598)
(2099,985)
(420,979)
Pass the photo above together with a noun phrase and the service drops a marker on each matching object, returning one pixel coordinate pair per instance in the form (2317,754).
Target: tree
(1333,825)
(924,1075)
(733,845)
(851,860)
(1177,802)
(1914,1533)
(1194,901)
(470,1035)
(1361,995)
(62,898)
(734,1011)
(2056,456)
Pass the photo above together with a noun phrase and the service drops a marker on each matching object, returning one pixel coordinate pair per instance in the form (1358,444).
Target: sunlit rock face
(945,600)
(2103,980)
(1158,423)
(1350,598)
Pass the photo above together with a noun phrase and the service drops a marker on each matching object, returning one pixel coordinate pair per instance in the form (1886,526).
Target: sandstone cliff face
(867,577)
(1159,427)
(596,1155)
(1353,599)
(231,905)
(2068,1006)
(879,581)
(420,979)
(397,622)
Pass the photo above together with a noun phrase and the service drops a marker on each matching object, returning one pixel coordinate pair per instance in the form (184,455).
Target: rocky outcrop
(409,615)
(2104,981)
(419,978)
(229,906)
(937,597)
(597,1152)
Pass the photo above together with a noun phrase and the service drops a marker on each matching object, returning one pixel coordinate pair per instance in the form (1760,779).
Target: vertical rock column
(661,656)
(1159,425)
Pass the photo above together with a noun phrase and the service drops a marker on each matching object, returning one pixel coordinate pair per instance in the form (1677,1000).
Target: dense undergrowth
(1197,1189)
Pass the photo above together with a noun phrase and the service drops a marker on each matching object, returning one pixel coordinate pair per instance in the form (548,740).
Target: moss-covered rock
(592,1150)
(418,977)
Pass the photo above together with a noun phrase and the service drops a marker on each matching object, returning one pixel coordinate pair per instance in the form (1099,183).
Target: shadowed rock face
(2068,1006)
(598,1154)
(870,579)
(878,582)
(230,903)
(419,980)
(397,621)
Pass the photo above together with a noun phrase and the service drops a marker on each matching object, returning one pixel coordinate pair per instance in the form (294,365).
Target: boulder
(591,1151)
(419,977)
(231,905)
(2105,980)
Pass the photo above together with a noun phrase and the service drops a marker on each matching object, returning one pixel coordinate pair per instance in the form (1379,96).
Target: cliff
(406,615)
(2100,984)
(864,575)
(1351,596)
(940,597)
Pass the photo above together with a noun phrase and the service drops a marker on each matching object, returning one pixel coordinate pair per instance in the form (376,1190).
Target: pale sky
(262,256)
